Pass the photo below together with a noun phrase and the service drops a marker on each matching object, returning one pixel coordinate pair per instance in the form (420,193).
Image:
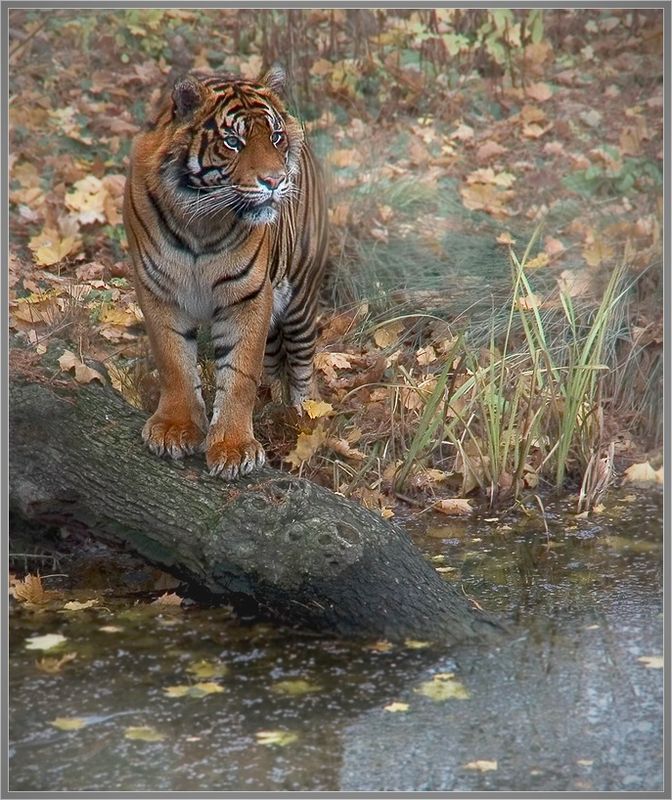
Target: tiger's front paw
(172,437)
(229,460)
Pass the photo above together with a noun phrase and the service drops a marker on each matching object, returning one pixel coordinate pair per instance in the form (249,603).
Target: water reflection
(565,704)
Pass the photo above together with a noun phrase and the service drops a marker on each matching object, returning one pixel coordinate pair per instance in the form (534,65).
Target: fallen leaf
(295,687)
(396,707)
(425,355)
(382,646)
(538,262)
(196,690)
(539,92)
(68,723)
(110,629)
(30,590)
(143,733)
(415,644)
(207,669)
(52,666)
(652,662)
(388,335)
(317,408)
(168,599)
(505,238)
(46,642)
(277,737)
(51,247)
(443,686)
(463,133)
(75,605)
(83,374)
(328,363)
(591,118)
(453,506)
(481,765)
(307,444)
(343,448)
(643,473)
(488,150)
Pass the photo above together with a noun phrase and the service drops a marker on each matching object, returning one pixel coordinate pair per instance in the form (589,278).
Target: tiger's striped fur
(225,216)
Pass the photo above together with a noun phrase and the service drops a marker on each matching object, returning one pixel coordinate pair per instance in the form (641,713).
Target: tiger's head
(233,147)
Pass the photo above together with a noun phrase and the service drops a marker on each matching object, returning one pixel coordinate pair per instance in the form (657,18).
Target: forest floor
(443,154)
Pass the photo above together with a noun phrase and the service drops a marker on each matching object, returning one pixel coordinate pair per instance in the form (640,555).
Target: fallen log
(302,554)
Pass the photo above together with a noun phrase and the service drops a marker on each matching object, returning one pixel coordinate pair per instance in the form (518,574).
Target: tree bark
(305,556)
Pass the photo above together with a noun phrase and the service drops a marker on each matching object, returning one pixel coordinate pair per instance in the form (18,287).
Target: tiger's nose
(271,181)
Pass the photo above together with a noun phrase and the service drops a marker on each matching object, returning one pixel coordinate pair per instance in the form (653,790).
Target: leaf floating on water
(196,690)
(481,765)
(396,707)
(143,733)
(279,738)
(443,686)
(74,605)
(52,666)
(414,644)
(46,642)
(68,723)
(651,662)
(110,629)
(207,669)
(295,687)
(585,762)
(453,506)
(382,646)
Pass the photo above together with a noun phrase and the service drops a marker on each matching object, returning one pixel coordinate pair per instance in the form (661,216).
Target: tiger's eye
(277,137)
(233,142)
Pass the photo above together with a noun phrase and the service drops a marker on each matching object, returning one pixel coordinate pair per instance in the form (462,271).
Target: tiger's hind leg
(178,426)
(299,335)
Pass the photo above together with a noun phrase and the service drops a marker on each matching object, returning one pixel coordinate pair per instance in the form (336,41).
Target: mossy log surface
(294,550)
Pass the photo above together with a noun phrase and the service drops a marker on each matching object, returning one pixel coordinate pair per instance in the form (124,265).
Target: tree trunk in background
(303,555)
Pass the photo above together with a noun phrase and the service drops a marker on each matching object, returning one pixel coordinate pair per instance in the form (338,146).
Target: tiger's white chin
(262,215)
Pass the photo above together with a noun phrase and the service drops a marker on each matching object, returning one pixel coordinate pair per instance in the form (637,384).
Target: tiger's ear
(187,97)
(274,78)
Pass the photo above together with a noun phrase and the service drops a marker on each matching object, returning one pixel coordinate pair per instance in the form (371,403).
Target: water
(564,704)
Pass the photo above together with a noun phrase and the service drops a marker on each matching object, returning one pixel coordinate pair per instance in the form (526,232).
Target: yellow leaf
(539,261)
(143,733)
(396,707)
(50,247)
(481,765)
(279,738)
(75,605)
(415,644)
(68,723)
(328,363)
(505,238)
(118,316)
(652,662)
(295,687)
(207,669)
(307,444)
(443,687)
(425,355)
(317,408)
(597,251)
(30,590)
(388,334)
(382,646)
(87,200)
(197,690)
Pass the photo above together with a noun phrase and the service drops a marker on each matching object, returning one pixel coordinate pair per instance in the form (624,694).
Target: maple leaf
(307,444)
(328,363)
(317,408)
(50,247)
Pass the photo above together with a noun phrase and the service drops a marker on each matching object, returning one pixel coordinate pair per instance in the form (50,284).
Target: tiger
(226,221)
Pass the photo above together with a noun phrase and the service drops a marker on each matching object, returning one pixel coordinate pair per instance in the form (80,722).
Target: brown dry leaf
(575,284)
(83,374)
(643,473)
(488,175)
(168,599)
(388,334)
(463,133)
(505,238)
(597,252)
(488,150)
(345,158)
(453,506)
(52,665)
(31,590)
(307,444)
(539,92)
(75,605)
(328,363)
(425,355)
(486,197)
(553,247)
(529,302)
(343,448)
